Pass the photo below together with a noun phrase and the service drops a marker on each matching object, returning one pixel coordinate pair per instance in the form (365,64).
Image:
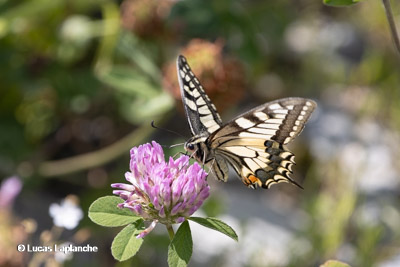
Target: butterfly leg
(210,169)
(191,156)
(179,153)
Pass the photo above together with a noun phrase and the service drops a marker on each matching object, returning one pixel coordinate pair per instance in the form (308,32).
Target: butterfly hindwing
(201,113)
(220,168)
(258,162)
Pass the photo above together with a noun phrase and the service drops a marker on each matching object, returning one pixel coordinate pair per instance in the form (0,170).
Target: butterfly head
(197,148)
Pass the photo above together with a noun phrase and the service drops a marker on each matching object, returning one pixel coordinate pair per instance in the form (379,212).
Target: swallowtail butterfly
(252,143)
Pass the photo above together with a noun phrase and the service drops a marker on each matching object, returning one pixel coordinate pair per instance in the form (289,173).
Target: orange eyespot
(254,180)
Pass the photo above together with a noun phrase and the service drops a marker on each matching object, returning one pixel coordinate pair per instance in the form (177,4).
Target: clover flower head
(160,191)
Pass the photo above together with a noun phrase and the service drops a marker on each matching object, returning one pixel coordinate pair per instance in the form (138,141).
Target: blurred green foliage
(79,88)
(340,2)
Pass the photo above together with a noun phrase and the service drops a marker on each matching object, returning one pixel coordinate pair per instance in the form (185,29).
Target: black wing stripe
(220,168)
(294,122)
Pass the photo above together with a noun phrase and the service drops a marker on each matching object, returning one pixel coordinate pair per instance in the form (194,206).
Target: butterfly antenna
(171,146)
(166,146)
(167,130)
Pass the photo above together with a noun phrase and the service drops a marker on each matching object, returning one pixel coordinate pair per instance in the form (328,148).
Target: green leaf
(104,211)
(216,224)
(125,244)
(139,111)
(128,80)
(340,3)
(333,263)
(129,46)
(181,247)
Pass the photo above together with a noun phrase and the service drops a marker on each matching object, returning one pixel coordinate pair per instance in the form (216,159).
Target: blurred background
(81,82)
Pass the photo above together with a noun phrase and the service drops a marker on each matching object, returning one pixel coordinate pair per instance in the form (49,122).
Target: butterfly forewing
(201,113)
(281,120)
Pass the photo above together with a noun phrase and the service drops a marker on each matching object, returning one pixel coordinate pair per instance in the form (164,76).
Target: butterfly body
(252,143)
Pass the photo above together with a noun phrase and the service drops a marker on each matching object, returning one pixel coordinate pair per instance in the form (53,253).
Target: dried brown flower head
(222,78)
(145,17)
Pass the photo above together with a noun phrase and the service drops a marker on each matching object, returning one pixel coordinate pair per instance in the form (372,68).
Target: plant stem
(89,160)
(392,24)
(55,168)
(170,231)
